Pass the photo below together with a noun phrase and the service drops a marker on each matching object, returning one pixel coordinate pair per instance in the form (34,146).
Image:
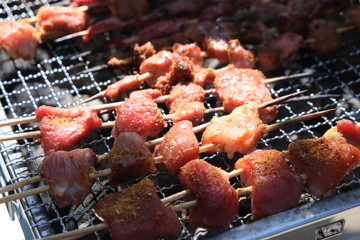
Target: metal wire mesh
(58,77)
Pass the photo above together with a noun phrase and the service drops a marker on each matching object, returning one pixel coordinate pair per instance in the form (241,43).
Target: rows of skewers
(172,74)
(296,22)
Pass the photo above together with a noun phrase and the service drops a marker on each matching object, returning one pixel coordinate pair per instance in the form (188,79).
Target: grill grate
(58,77)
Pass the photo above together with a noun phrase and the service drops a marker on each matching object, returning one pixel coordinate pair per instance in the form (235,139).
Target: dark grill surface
(59,76)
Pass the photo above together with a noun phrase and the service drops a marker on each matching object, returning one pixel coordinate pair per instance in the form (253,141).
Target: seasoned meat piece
(181,71)
(191,50)
(275,186)
(18,39)
(216,48)
(62,129)
(275,51)
(145,93)
(55,21)
(188,92)
(237,132)
(239,56)
(126,84)
(179,146)
(217,200)
(68,175)
(140,53)
(140,115)
(236,87)
(350,131)
(192,111)
(136,213)
(129,158)
(323,37)
(127,9)
(158,65)
(204,76)
(325,161)
(253,32)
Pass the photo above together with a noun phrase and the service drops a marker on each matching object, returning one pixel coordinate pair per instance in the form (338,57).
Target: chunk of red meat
(216,48)
(192,111)
(18,39)
(239,56)
(138,213)
(140,115)
(323,37)
(158,65)
(204,76)
(188,92)
(236,87)
(237,132)
(55,21)
(68,175)
(179,146)
(129,158)
(145,93)
(275,51)
(62,129)
(191,50)
(217,200)
(325,161)
(350,131)
(275,186)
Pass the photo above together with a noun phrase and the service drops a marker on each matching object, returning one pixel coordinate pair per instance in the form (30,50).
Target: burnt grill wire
(58,77)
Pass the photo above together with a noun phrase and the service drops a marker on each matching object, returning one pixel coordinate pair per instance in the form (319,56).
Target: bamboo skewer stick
(269,128)
(179,207)
(110,124)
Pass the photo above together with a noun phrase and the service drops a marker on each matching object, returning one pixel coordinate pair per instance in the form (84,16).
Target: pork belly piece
(129,158)
(236,87)
(55,21)
(67,173)
(181,71)
(237,132)
(275,186)
(323,36)
(275,51)
(179,146)
(218,202)
(140,115)
(18,39)
(352,17)
(126,84)
(325,161)
(62,129)
(158,65)
(137,213)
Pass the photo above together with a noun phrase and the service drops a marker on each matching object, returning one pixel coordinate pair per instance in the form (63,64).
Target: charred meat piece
(323,37)
(217,200)
(129,158)
(181,71)
(325,161)
(237,132)
(275,51)
(137,213)
(55,21)
(139,114)
(179,146)
(18,39)
(275,186)
(62,129)
(236,87)
(158,65)
(68,175)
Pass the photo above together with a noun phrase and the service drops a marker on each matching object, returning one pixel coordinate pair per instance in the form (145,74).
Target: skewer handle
(25,194)
(20,184)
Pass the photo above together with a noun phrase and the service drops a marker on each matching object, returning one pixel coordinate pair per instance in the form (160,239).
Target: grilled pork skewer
(151,143)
